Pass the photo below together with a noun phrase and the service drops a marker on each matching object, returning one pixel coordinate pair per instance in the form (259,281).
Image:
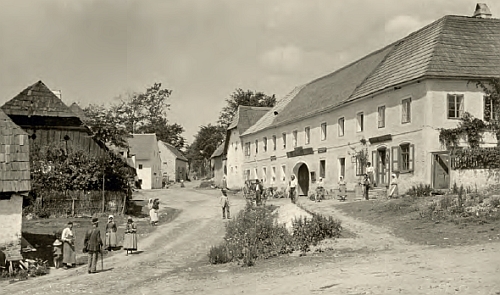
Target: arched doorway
(302,172)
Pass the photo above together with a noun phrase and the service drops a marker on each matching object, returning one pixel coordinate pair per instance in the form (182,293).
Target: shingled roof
(174,150)
(451,47)
(141,145)
(78,111)
(218,152)
(14,157)
(37,100)
(247,116)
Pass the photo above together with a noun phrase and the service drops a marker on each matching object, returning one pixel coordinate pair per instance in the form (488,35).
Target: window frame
(264,140)
(342,166)
(341,127)
(247,149)
(274,142)
(283,173)
(406,110)
(379,121)
(322,168)
(360,118)
(256,146)
(307,135)
(359,168)
(459,111)
(323,130)
(283,138)
(397,158)
(295,140)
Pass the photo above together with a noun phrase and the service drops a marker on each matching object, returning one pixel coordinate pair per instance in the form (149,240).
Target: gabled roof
(451,47)
(14,157)
(174,150)
(218,152)
(142,145)
(247,116)
(78,111)
(37,100)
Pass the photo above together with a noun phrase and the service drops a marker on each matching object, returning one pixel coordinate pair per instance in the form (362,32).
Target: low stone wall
(475,178)
(11,223)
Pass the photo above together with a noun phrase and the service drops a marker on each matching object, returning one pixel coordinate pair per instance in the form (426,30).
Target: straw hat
(57,243)
(111,217)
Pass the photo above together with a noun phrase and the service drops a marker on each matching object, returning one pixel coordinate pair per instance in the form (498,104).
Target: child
(342,189)
(224,202)
(366,184)
(57,252)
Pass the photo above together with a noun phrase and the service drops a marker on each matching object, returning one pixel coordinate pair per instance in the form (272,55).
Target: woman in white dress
(393,190)
(68,239)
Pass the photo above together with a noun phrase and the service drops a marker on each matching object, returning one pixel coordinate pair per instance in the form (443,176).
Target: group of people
(64,251)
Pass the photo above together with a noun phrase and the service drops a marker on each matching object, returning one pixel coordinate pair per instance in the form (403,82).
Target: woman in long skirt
(342,189)
(130,238)
(68,239)
(111,233)
(393,190)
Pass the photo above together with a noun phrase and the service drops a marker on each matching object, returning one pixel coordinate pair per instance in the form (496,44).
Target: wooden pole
(103,200)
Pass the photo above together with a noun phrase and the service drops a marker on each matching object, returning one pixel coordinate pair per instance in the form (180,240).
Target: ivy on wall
(479,158)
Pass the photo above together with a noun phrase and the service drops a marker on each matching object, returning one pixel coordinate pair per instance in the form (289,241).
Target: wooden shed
(48,120)
(14,183)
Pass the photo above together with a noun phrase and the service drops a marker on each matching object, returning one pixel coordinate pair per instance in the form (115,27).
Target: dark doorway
(303,180)
(381,161)
(441,170)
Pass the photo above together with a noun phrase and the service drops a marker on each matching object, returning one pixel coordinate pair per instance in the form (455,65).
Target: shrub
(421,190)
(308,232)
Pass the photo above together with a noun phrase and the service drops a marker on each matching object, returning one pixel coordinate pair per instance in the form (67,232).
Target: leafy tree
(104,124)
(244,98)
(206,142)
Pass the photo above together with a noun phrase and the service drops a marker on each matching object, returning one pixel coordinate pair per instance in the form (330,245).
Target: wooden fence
(74,203)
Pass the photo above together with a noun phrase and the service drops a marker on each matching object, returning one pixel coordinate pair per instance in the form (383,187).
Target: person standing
(366,185)
(68,239)
(259,188)
(224,203)
(153,215)
(293,186)
(130,238)
(57,252)
(93,245)
(370,170)
(111,233)
(320,191)
(342,188)
(393,190)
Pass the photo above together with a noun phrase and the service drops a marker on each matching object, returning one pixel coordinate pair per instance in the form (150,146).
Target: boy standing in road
(224,202)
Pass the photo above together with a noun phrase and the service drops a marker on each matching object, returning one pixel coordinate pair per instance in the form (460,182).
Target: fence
(53,203)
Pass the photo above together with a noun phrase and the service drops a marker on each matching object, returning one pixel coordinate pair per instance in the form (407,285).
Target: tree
(206,142)
(244,98)
(105,126)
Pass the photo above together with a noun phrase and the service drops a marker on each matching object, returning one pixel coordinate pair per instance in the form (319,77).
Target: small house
(147,160)
(174,166)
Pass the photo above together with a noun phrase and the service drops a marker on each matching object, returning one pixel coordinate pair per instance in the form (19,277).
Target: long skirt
(69,255)
(111,239)
(342,190)
(130,241)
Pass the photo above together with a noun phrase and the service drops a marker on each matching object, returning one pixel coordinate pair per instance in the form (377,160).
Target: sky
(96,50)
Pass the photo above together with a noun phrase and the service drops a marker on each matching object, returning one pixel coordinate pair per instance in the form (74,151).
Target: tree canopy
(136,113)
(206,141)
(244,98)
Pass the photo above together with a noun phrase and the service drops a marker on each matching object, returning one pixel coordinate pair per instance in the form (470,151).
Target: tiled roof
(247,116)
(14,157)
(141,145)
(451,47)
(78,111)
(218,152)
(174,150)
(37,100)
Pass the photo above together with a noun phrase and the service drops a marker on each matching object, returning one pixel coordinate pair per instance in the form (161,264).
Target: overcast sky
(203,50)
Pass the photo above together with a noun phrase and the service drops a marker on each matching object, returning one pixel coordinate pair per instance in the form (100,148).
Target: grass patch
(255,234)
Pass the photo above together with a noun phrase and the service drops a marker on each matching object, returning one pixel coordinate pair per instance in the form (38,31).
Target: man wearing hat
(93,244)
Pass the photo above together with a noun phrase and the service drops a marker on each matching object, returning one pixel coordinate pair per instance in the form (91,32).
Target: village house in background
(218,165)
(147,160)
(14,184)
(385,108)
(47,120)
(233,146)
(174,166)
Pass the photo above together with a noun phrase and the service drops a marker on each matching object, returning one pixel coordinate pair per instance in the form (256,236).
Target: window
(360,122)
(264,174)
(247,149)
(264,141)
(491,110)
(140,166)
(247,174)
(284,140)
(307,132)
(341,127)
(294,138)
(322,168)
(323,131)
(274,142)
(256,146)
(406,110)
(381,117)
(273,175)
(283,173)
(342,167)
(403,158)
(255,173)
(235,146)
(360,166)
(455,106)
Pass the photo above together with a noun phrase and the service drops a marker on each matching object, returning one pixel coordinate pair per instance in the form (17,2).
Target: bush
(421,190)
(255,234)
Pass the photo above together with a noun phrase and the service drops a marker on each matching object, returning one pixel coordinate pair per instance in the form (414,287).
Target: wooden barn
(47,120)
(14,183)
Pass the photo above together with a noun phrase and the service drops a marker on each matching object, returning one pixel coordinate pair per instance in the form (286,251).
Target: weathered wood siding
(78,139)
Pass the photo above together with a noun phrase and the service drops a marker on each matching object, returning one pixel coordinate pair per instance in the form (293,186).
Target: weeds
(421,190)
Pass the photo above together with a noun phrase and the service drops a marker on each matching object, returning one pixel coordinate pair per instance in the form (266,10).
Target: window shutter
(374,159)
(460,99)
(411,157)
(395,158)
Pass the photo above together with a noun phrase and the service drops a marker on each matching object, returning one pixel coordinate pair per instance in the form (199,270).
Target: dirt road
(174,261)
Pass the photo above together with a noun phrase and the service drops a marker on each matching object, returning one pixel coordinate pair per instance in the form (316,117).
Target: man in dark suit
(258,193)
(93,244)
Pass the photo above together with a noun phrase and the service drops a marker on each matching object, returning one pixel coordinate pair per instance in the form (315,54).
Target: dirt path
(174,261)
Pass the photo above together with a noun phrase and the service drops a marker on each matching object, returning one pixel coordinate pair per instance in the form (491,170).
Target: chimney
(58,93)
(482,11)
